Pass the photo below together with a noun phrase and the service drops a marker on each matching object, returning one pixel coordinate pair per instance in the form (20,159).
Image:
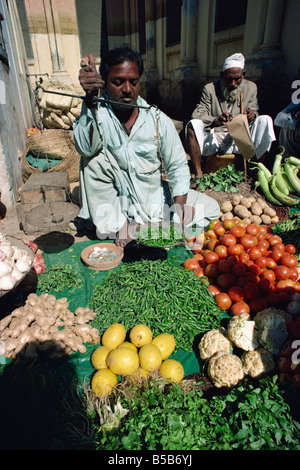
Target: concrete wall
(15,106)
(54,39)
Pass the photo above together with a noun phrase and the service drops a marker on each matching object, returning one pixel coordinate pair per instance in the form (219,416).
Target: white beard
(232,95)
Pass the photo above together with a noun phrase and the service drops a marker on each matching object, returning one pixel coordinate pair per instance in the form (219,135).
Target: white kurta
(121,174)
(211,142)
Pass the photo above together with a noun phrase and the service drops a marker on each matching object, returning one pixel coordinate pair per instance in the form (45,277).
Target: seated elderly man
(127,147)
(288,120)
(207,133)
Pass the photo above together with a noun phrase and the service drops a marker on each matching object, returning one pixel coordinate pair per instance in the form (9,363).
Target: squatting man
(220,101)
(123,162)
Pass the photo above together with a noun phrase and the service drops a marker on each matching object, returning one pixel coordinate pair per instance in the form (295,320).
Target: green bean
(166,297)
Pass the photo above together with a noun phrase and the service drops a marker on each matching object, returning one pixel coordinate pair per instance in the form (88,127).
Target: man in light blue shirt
(133,165)
(288,120)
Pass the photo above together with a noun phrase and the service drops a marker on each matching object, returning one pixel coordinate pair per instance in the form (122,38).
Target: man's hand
(90,80)
(250,115)
(221,120)
(184,212)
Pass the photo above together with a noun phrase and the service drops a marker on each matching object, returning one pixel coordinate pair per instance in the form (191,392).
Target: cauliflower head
(213,341)
(272,331)
(261,316)
(241,331)
(257,363)
(225,369)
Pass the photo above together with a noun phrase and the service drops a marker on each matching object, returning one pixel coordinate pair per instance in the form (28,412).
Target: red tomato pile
(247,266)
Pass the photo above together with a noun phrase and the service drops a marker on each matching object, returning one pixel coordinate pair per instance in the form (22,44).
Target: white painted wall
(15,106)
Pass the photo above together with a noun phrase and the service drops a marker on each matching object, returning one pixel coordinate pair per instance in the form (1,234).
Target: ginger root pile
(45,324)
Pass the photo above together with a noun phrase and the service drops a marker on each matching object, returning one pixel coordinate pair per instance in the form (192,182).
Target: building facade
(183,42)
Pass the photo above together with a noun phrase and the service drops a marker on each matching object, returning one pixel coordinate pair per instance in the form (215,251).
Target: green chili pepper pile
(167,298)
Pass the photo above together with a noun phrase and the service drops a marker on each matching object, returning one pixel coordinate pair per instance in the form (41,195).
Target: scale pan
(52,214)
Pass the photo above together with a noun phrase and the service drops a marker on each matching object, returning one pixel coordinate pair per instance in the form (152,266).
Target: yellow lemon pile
(135,358)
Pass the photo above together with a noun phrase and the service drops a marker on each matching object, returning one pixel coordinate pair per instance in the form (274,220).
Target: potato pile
(45,324)
(59,112)
(249,209)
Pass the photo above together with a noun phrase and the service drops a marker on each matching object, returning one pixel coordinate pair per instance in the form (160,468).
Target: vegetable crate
(214,162)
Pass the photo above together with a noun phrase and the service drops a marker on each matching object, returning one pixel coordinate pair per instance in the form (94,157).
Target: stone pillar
(269,47)
(150,66)
(273,26)
(188,38)
(266,63)
(150,63)
(127,21)
(55,44)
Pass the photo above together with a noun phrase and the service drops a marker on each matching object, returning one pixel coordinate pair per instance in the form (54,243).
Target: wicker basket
(282,213)
(214,162)
(52,144)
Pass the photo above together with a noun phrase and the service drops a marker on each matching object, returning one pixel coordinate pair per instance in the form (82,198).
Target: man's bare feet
(126,234)
(121,242)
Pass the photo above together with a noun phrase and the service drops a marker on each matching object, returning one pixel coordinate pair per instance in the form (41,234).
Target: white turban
(234,61)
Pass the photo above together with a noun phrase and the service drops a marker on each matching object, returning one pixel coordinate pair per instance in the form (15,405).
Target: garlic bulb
(7,248)
(5,268)
(22,265)
(10,261)
(18,253)
(16,274)
(14,263)
(7,282)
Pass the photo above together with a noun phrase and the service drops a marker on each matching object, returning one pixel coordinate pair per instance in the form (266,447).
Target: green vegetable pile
(159,235)
(167,298)
(248,417)
(289,231)
(281,184)
(225,179)
(58,278)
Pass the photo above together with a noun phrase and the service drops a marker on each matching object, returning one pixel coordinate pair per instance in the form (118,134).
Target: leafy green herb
(58,278)
(159,235)
(225,179)
(167,298)
(252,416)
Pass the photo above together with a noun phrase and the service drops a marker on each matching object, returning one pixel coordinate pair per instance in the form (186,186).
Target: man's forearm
(87,137)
